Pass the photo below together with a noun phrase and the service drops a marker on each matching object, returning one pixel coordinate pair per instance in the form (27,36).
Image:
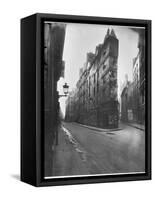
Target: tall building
(127,102)
(53,66)
(141,46)
(97,85)
(136,89)
(139,79)
(71,108)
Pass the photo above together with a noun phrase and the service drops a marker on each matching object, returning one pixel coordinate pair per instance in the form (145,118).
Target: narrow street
(92,151)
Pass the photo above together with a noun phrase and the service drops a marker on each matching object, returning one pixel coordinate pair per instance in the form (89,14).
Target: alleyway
(83,151)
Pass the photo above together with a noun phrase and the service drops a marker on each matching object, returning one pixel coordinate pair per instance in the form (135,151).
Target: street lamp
(65,90)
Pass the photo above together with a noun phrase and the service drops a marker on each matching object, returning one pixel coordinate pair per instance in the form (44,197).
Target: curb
(99,129)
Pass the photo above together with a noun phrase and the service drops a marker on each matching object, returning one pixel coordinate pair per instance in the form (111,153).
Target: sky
(83,38)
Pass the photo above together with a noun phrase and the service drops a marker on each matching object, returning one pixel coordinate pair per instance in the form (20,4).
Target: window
(104,52)
(89,86)
(104,66)
(94,79)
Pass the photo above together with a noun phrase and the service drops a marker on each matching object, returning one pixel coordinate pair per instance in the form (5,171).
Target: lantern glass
(65,89)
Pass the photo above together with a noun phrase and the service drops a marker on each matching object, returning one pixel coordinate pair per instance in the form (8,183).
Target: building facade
(136,89)
(53,66)
(71,110)
(96,89)
(141,46)
(127,103)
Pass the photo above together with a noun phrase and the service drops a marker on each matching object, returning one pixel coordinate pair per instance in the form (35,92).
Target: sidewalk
(66,160)
(138,126)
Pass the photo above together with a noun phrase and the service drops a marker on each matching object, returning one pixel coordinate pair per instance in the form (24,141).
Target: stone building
(97,86)
(53,66)
(139,79)
(136,89)
(127,103)
(71,110)
(141,46)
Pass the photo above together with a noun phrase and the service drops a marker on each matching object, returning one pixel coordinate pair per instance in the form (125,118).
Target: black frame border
(40,181)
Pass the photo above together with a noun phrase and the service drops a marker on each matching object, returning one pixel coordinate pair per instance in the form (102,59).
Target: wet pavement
(84,151)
